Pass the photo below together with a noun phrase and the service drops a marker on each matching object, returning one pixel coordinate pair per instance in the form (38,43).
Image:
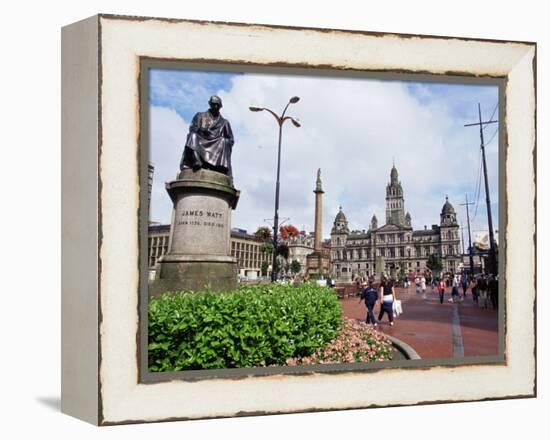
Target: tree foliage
(434,263)
(266,248)
(283,250)
(264,233)
(295,266)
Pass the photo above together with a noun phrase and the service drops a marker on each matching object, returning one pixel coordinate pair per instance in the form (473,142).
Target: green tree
(264,267)
(295,266)
(283,250)
(277,267)
(264,233)
(434,263)
(266,248)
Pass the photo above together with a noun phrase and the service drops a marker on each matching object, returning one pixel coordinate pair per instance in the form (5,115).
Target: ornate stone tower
(374,222)
(448,214)
(395,204)
(338,239)
(449,237)
(340,225)
(408,222)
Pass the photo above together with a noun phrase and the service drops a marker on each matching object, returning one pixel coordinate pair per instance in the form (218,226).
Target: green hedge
(253,326)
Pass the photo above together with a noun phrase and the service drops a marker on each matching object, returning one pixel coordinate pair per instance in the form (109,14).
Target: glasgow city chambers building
(394,248)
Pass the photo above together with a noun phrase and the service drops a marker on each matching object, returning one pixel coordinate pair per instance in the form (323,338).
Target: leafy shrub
(253,326)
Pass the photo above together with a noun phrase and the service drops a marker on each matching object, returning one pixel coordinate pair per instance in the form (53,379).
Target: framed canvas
(131,88)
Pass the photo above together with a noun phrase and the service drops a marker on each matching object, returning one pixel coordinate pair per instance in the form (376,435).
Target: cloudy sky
(353,129)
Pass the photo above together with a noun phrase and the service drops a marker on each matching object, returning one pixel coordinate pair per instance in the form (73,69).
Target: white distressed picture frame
(101,194)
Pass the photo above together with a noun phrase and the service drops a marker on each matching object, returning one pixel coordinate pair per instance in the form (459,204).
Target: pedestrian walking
(370,296)
(482,290)
(455,294)
(423,286)
(387,297)
(475,292)
(441,285)
(417,283)
(465,282)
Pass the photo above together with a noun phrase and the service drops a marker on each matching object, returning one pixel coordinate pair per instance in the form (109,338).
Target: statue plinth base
(380,267)
(318,263)
(199,251)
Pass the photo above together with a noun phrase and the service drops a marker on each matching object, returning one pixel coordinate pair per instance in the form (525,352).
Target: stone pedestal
(380,267)
(199,251)
(318,264)
(346,276)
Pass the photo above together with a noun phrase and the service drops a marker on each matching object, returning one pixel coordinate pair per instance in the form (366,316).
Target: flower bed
(356,342)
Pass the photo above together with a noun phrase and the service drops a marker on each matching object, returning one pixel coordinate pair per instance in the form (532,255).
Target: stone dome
(340,217)
(340,223)
(447,207)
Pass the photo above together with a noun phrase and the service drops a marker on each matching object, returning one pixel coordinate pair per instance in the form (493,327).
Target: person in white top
(455,295)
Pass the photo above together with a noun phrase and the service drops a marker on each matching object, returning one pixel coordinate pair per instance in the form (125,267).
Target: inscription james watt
(200,217)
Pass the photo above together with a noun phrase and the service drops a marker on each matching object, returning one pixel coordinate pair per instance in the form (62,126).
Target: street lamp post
(280,120)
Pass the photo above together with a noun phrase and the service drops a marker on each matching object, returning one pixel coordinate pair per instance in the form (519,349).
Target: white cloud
(168,132)
(352,130)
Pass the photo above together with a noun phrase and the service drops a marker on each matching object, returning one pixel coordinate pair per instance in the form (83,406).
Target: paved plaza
(437,330)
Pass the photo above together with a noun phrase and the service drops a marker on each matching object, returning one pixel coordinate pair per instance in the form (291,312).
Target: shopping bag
(397,307)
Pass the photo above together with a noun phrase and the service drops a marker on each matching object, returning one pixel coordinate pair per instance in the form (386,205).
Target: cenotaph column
(318,262)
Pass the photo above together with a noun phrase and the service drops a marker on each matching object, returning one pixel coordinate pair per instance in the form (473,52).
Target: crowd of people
(482,287)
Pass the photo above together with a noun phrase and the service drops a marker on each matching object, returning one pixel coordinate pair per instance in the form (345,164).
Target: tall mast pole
(492,247)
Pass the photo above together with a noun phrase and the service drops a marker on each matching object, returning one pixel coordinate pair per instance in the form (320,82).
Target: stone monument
(380,267)
(203,195)
(318,262)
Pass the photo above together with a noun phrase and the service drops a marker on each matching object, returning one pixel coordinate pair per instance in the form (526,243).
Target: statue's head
(215,103)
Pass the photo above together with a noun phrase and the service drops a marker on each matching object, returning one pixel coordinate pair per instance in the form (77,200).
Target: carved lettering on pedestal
(195,218)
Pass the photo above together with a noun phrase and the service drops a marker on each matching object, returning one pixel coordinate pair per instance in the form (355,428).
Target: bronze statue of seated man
(209,142)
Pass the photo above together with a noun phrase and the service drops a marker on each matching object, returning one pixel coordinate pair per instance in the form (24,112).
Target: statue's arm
(195,124)
(229,134)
